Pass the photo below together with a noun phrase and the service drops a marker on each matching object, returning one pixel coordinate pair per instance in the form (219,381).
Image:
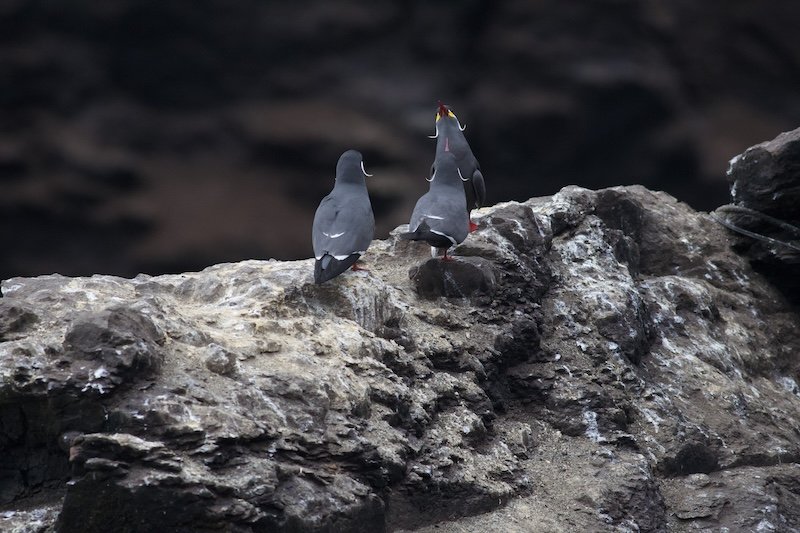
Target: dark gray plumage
(440,217)
(450,138)
(343,224)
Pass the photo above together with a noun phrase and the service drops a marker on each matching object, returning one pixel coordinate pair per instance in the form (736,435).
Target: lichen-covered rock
(607,363)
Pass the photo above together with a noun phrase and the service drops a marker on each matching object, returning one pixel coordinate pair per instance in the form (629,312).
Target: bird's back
(343,223)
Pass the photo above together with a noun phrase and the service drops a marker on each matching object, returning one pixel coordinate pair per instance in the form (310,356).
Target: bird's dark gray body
(450,138)
(343,224)
(440,217)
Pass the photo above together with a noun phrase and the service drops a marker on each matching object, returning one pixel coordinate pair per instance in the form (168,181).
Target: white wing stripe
(444,235)
(340,257)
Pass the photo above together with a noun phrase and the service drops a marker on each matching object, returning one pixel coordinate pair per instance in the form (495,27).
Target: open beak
(443,111)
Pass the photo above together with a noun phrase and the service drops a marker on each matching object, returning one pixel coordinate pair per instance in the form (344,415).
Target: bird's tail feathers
(422,233)
(328,267)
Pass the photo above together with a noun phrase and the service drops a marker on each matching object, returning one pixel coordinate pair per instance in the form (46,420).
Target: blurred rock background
(164,136)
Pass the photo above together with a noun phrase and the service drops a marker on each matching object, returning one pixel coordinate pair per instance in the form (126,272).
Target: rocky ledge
(590,361)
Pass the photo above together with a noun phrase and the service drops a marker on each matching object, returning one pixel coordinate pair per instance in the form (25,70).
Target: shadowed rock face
(600,361)
(765,186)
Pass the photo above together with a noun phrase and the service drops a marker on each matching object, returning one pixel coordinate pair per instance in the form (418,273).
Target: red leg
(358,268)
(446,258)
(472,226)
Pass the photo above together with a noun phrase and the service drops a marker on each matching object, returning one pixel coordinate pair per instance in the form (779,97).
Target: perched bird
(450,138)
(440,217)
(343,224)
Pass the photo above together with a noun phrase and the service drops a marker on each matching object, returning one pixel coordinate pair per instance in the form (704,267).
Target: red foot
(472,226)
(446,257)
(358,268)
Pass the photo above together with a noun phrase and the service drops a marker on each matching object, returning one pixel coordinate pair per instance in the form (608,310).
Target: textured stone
(14,319)
(765,176)
(221,361)
(627,370)
(453,278)
(765,189)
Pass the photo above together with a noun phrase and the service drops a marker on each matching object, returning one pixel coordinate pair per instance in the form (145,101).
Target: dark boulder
(765,213)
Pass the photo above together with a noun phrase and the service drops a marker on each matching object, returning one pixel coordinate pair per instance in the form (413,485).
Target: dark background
(163,136)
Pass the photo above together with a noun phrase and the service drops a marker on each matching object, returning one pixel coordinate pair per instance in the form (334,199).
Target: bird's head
(350,167)
(445,169)
(444,113)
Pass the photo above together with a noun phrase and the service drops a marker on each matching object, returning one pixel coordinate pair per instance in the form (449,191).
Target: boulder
(765,189)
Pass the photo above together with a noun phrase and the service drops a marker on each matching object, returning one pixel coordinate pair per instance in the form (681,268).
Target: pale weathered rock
(613,365)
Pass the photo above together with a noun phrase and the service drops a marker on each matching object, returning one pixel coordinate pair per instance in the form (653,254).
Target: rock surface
(602,361)
(765,186)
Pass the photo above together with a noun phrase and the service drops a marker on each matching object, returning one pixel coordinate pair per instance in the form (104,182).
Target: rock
(765,189)
(765,177)
(14,319)
(719,503)
(221,361)
(456,278)
(599,361)
(39,519)
(121,340)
